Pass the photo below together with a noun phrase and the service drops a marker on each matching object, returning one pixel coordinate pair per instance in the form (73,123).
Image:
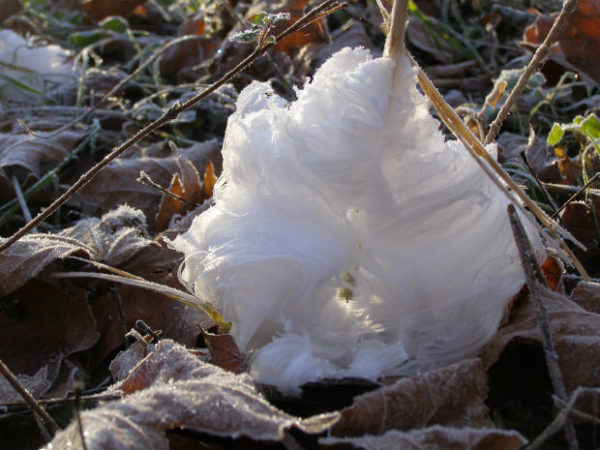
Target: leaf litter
(453,414)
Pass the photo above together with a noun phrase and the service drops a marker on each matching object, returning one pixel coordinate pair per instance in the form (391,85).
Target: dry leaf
(117,183)
(41,325)
(172,389)
(224,352)
(539,156)
(114,238)
(188,53)
(587,295)
(575,331)
(99,9)
(36,384)
(453,396)
(578,218)
(579,41)
(177,321)
(432,438)
(186,185)
(30,157)
(420,37)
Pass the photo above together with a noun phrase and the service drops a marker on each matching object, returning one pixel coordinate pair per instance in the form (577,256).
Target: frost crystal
(347,238)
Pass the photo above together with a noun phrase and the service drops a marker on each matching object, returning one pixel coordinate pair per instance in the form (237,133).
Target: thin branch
(171,114)
(534,277)
(576,194)
(25,395)
(536,62)
(394,43)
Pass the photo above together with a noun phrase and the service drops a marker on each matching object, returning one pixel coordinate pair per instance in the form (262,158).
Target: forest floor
(75,343)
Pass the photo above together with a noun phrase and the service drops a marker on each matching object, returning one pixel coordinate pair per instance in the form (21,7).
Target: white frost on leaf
(347,238)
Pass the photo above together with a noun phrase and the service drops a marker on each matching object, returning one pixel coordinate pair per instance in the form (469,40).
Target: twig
(394,43)
(568,189)
(144,178)
(33,404)
(17,407)
(171,114)
(536,62)
(576,194)
(534,277)
(561,417)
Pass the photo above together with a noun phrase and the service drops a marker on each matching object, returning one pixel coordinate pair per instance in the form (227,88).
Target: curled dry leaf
(114,239)
(453,395)
(578,218)
(172,389)
(117,183)
(29,157)
(40,326)
(186,185)
(435,437)
(224,352)
(575,332)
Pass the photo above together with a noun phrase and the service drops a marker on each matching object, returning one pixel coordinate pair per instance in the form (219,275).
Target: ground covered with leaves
(120,366)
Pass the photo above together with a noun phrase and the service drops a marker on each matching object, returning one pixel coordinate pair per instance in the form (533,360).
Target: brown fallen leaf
(99,9)
(578,219)
(172,389)
(453,396)
(539,156)
(587,295)
(188,53)
(177,321)
(185,185)
(117,184)
(29,157)
(114,239)
(576,334)
(224,352)
(579,42)
(420,37)
(40,326)
(432,438)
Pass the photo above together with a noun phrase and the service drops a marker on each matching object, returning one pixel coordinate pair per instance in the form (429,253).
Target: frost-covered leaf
(587,295)
(576,334)
(117,183)
(29,157)
(172,389)
(452,396)
(432,438)
(114,238)
(40,326)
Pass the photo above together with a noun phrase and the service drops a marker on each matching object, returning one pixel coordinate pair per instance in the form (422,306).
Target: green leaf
(20,85)
(115,23)
(556,134)
(590,127)
(85,38)
(261,19)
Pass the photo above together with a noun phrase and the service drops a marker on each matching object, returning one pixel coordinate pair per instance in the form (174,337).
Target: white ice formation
(31,65)
(347,238)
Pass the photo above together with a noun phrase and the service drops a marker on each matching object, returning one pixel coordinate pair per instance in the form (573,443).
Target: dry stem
(536,62)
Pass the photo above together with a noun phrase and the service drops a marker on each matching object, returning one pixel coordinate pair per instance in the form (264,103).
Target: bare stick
(168,116)
(576,194)
(534,278)
(536,62)
(33,404)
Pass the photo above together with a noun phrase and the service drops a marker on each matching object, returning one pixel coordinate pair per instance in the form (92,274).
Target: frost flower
(347,238)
